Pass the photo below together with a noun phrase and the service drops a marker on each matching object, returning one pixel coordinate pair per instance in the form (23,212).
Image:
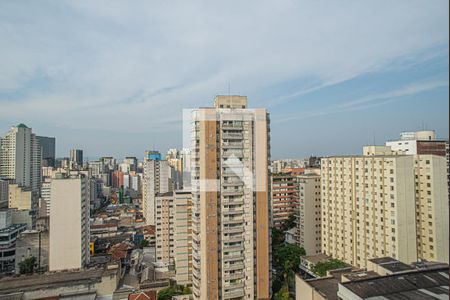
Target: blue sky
(112,77)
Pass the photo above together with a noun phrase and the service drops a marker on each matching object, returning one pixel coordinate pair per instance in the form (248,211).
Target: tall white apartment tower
(230,201)
(156,180)
(20,157)
(69,222)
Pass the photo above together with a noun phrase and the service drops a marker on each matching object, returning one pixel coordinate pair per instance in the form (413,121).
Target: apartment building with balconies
(230,201)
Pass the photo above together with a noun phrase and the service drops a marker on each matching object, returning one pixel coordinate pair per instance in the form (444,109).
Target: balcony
(233,248)
(233,192)
(232,220)
(232,183)
(230,153)
(228,276)
(235,229)
(232,136)
(229,145)
(228,258)
(233,267)
(231,126)
(234,294)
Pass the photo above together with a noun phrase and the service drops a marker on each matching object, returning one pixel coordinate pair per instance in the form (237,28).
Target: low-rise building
(33,243)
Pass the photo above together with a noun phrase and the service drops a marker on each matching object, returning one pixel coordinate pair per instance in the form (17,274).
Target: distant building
(165,228)
(48,145)
(33,243)
(20,157)
(156,179)
(4,193)
(309,213)
(69,223)
(183,237)
(422,142)
(76,156)
(284,198)
(94,283)
(8,237)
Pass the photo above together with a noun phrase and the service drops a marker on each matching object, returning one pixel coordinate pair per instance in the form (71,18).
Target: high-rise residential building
(156,179)
(4,193)
(183,237)
(69,225)
(20,157)
(284,198)
(76,156)
(45,194)
(431,207)
(48,145)
(309,212)
(373,205)
(185,155)
(132,162)
(368,208)
(422,142)
(230,201)
(164,228)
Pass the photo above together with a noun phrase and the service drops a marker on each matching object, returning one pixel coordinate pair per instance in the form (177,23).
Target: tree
(168,293)
(321,268)
(143,243)
(28,265)
(286,262)
(289,223)
(282,294)
(277,237)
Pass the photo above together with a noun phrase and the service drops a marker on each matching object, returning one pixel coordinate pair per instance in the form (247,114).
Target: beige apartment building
(371,207)
(230,201)
(431,207)
(183,237)
(20,197)
(368,207)
(156,179)
(69,223)
(164,228)
(309,212)
(173,233)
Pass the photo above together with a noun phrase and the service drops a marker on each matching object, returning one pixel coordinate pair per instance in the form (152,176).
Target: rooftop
(316,258)
(39,281)
(422,284)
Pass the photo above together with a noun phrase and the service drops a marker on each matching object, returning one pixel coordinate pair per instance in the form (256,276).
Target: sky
(113,77)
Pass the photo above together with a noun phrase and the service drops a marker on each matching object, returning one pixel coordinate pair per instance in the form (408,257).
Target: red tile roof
(142,295)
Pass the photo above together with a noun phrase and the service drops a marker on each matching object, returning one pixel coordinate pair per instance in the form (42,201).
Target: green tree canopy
(27,265)
(321,268)
(282,294)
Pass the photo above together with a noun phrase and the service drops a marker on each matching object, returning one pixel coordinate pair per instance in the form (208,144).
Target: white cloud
(142,62)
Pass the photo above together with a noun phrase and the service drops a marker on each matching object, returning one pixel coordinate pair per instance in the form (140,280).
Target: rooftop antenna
(374,141)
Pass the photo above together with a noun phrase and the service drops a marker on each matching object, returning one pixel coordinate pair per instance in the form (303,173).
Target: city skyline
(115,82)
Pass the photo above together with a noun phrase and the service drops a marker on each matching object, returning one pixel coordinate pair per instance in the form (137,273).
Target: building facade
(20,157)
(183,237)
(69,223)
(165,228)
(309,213)
(48,146)
(156,179)
(76,157)
(368,208)
(284,197)
(230,201)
